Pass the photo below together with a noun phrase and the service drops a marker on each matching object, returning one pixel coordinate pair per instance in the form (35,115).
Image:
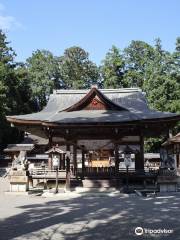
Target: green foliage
(151,68)
(47,72)
(153,144)
(6,71)
(43,75)
(137,57)
(24,100)
(8,93)
(162,85)
(113,69)
(76,70)
(6,53)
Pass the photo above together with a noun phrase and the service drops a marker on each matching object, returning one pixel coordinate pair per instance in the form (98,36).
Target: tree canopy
(113,69)
(76,70)
(43,75)
(11,94)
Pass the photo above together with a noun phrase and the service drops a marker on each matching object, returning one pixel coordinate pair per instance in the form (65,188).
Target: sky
(94,25)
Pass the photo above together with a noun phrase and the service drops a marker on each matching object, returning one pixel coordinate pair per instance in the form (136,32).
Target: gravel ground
(87,216)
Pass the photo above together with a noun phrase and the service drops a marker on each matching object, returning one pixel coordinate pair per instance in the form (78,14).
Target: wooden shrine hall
(96,127)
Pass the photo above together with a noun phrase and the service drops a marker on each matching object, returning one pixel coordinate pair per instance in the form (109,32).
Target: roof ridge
(103,90)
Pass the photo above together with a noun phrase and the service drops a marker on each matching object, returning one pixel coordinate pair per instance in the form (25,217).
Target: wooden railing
(106,172)
(110,172)
(46,173)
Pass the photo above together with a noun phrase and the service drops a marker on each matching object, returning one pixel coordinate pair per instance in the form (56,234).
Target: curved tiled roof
(131,99)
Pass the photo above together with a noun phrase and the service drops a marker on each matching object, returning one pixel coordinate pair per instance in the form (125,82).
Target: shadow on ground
(94,217)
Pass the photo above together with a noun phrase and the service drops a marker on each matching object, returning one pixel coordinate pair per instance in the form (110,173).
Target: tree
(175,73)
(6,70)
(7,97)
(7,54)
(112,69)
(137,57)
(43,75)
(76,70)
(175,61)
(24,102)
(162,85)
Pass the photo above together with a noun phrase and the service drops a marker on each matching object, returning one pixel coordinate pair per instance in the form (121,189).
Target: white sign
(55,161)
(127,160)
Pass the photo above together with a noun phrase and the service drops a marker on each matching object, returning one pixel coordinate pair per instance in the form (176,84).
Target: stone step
(98,183)
(95,190)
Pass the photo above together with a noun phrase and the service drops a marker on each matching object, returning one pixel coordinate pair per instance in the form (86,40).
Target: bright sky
(95,25)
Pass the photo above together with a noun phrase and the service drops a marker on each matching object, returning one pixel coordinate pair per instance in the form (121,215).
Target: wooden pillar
(116,157)
(50,138)
(50,162)
(178,159)
(74,159)
(60,161)
(63,161)
(139,158)
(68,169)
(142,153)
(83,161)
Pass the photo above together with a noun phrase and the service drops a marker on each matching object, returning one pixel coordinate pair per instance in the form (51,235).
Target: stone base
(168,187)
(19,181)
(18,187)
(167,183)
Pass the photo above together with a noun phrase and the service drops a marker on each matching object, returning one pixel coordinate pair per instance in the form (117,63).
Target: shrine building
(97,127)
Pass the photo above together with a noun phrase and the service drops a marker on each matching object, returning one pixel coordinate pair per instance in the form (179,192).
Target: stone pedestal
(68,182)
(19,181)
(167,183)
